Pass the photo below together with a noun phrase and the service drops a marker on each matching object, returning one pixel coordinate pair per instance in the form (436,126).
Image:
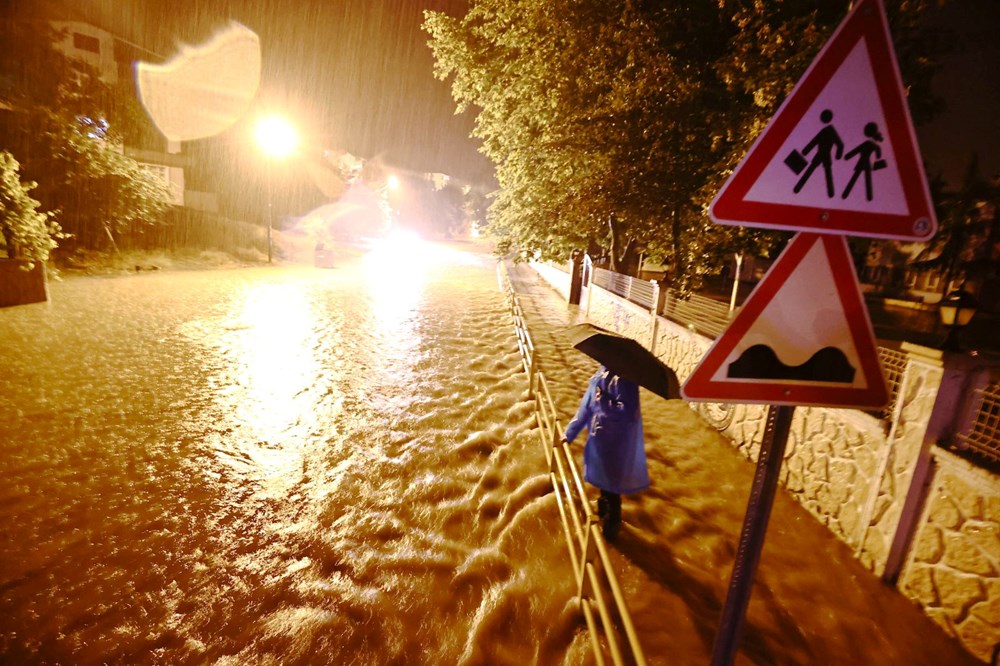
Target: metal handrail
(592,567)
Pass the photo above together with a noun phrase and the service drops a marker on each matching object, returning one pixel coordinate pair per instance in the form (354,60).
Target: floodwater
(337,466)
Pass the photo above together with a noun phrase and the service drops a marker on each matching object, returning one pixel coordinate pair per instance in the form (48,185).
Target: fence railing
(600,596)
(708,316)
(983,437)
(644,293)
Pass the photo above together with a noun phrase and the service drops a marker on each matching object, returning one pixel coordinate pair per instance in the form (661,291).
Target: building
(114,59)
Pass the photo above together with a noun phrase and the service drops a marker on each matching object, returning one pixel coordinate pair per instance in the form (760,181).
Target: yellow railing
(612,633)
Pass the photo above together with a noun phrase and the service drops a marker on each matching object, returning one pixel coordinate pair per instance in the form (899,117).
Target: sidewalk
(813,602)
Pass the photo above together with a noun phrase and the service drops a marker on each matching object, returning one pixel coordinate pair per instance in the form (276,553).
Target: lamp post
(956,310)
(278,139)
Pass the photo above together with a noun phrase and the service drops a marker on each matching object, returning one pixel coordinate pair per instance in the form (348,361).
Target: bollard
(575,276)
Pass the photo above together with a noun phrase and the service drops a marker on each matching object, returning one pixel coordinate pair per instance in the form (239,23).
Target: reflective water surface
(281,464)
(337,466)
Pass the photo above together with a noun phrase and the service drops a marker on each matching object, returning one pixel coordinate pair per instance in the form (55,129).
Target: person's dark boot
(602,507)
(610,528)
(612,517)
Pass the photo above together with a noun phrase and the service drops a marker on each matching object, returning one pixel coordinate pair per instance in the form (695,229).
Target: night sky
(969,86)
(357,75)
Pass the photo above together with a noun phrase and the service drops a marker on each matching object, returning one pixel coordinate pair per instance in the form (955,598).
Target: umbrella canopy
(626,358)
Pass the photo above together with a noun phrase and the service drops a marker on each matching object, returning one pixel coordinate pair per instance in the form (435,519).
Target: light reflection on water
(396,273)
(265,465)
(271,348)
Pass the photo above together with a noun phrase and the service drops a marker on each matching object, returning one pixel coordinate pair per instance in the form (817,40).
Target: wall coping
(983,480)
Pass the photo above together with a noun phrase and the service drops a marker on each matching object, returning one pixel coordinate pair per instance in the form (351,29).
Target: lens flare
(204,89)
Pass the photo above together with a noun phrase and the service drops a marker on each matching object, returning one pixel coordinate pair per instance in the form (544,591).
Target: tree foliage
(967,247)
(66,127)
(612,125)
(25,232)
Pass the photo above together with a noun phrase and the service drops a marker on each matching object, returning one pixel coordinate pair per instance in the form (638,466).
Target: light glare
(276,136)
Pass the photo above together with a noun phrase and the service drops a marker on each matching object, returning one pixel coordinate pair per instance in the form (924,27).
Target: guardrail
(595,578)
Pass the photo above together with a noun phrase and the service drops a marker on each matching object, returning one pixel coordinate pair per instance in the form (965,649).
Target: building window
(86,43)
(160,172)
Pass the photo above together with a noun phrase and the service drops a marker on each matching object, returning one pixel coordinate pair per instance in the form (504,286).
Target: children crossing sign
(840,155)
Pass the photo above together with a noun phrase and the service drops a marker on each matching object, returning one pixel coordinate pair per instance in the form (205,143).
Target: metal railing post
(531,376)
(654,317)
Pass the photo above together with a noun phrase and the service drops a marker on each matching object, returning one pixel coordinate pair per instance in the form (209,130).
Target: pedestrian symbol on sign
(825,141)
(827,146)
(865,151)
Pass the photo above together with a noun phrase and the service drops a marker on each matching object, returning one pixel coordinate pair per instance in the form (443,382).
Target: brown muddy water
(292,465)
(274,465)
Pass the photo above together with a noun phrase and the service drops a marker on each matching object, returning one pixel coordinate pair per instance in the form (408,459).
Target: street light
(278,139)
(956,311)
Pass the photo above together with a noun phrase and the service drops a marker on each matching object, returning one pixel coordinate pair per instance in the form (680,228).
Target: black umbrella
(626,358)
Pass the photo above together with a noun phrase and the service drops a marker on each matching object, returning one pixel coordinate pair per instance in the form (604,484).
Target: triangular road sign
(840,155)
(803,337)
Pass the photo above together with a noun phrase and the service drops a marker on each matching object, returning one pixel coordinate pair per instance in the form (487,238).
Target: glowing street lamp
(277,139)
(956,311)
(276,136)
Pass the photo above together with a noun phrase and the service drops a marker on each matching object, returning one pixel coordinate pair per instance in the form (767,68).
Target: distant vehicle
(323,256)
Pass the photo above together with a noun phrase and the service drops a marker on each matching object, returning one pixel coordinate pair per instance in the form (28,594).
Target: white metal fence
(612,633)
(983,436)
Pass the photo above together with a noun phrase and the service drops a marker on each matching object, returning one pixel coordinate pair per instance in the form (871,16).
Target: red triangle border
(866,21)
(701,387)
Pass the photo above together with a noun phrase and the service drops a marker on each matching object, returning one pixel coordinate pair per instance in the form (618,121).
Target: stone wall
(867,486)
(953,570)
(904,463)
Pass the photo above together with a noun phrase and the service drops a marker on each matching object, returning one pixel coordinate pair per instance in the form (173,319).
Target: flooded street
(338,466)
(270,464)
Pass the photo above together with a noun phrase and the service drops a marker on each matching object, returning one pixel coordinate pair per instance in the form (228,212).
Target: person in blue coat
(614,457)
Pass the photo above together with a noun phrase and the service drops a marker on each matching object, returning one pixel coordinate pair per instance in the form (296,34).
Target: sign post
(839,157)
(765,483)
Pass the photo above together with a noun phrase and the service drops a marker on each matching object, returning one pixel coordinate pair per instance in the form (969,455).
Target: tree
(25,232)
(967,248)
(613,125)
(66,128)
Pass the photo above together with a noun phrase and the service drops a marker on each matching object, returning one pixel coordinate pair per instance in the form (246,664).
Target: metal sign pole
(765,482)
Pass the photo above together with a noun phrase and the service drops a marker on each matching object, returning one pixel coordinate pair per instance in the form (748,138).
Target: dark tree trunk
(624,257)
(675,242)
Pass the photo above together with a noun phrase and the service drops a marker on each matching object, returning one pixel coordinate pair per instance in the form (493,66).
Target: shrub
(25,232)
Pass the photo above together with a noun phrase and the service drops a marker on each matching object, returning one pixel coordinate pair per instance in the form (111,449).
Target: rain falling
(336,460)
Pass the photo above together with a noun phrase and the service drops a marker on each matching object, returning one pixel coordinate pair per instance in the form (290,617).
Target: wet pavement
(296,465)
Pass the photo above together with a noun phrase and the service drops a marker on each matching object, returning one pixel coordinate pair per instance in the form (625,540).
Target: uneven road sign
(803,337)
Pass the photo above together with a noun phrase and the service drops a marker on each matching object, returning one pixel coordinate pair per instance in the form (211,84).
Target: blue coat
(618,464)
